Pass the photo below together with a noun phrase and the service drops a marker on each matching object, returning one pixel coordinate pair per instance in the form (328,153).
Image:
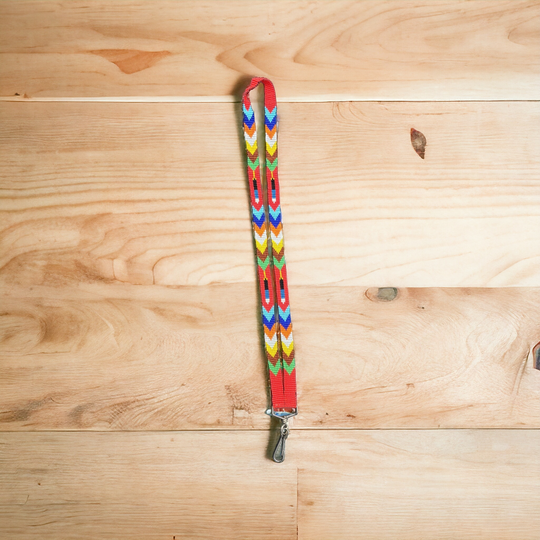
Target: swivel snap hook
(279,451)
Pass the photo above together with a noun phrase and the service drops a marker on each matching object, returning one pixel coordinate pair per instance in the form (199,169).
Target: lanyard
(271,267)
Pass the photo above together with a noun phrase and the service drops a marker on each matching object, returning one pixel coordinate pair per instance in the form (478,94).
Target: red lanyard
(271,267)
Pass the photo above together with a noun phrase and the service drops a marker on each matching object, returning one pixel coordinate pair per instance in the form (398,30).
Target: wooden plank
(348,50)
(110,357)
(471,484)
(144,485)
(157,194)
(425,485)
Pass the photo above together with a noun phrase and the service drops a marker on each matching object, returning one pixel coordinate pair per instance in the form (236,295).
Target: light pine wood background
(132,377)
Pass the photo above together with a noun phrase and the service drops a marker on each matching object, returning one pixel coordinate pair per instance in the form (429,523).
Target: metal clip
(283,414)
(279,451)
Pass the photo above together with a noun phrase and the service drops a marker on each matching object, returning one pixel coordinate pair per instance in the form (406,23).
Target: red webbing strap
(271,267)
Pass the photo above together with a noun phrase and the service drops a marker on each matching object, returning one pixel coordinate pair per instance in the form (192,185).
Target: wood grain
(144,485)
(421,485)
(157,194)
(108,358)
(479,484)
(341,50)
(127,277)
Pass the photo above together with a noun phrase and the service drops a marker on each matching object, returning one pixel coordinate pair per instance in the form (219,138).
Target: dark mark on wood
(76,414)
(387,294)
(382,294)
(536,356)
(419,142)
(23,413)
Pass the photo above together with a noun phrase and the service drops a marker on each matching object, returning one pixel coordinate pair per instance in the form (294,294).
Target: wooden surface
(106,357)
(132,379)
(395,485)
(428,485)
(340,50)
(156,194)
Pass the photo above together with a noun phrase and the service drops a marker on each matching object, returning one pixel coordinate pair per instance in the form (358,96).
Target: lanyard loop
(271,267)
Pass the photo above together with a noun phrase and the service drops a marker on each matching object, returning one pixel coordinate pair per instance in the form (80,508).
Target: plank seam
(231,99)
(503,428)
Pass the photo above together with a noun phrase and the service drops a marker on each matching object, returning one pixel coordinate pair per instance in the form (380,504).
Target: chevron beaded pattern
(271,267)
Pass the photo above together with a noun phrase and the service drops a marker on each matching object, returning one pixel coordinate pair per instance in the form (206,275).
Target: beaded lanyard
(271,268)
